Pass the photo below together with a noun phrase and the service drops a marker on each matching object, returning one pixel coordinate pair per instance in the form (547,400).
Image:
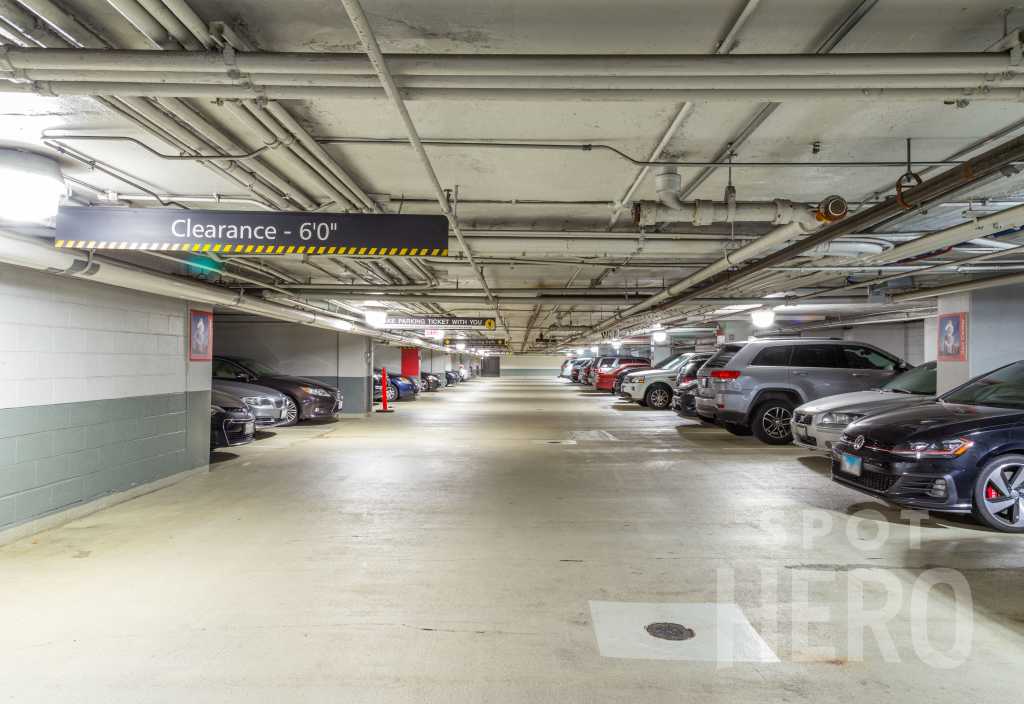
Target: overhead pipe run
(554,65)
(30,253)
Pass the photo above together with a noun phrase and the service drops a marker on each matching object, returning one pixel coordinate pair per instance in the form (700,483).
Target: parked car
(617,384)
(412,381)
(653,387)
(684,395)
(430,381)
(266,404)
(963,453)
(819,424)
(577,366)
(400,388)
(566,366)
(754,387)
(305,398)
(451,378)
(606,378)
(231,423)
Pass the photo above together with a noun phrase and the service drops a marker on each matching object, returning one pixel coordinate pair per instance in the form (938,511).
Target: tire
(658,397)
(392,393)
(771,422)
(738,430)
(999,494)
(291,412)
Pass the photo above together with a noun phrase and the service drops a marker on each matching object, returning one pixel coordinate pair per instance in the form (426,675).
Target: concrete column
(993,335)
(355,373)
(737,330)
(660,352)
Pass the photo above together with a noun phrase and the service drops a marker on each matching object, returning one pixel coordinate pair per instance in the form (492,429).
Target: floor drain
(670,631)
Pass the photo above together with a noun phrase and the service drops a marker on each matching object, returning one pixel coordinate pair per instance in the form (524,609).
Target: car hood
(658,373)
(242,389)
(931,420)
(297,381)
(225,400)
(863,402)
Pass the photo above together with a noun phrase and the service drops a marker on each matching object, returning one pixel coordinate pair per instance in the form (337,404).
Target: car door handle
(857,374)
(800,373)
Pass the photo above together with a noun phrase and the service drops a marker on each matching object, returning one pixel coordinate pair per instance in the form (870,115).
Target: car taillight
(726,374)
(688,379)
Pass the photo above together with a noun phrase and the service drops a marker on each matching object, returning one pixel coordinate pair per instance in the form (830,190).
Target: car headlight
(214,410)
(840,420)
(635,380)
(316,391)
(257,401)
(937,448)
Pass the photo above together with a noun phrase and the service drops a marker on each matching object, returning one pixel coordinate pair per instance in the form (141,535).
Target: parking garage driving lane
(452,551)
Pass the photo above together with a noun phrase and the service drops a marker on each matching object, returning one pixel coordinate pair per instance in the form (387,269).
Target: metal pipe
(67,26)
(30,26)
(757,95)
(137,16)
(188,17)
(635,65)
(975,285)
(362,27)
(172,24)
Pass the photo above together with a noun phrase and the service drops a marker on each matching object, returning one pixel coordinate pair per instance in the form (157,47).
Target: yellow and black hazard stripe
(221,248)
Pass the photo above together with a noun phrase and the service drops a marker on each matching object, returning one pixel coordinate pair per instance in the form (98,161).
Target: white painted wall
(531,364)
(951,374)
(905,340)
(65,340)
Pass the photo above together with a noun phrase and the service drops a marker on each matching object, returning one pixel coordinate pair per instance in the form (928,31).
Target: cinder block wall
(96,393)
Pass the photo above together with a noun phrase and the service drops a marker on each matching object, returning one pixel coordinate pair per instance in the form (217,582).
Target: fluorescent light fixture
(616,345)
(595,349)
(342,325)
(375,318)
(763,318)
(373,304)
(460,346)
(581,352)
(31,186)
(659,337)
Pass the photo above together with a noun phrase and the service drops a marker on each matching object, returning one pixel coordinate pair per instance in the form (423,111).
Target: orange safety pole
(384,391)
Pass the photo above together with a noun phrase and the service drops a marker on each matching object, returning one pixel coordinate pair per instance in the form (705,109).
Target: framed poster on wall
(200,336)
(953,337)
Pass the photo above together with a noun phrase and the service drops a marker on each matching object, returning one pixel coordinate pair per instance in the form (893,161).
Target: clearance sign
(249,232)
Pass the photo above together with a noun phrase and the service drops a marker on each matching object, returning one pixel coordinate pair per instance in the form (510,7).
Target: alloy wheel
(659,398)
(775,422)
(392,393)
(291,411)
(1003,496)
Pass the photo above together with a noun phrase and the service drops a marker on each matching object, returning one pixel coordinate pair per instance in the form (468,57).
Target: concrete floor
(450,552)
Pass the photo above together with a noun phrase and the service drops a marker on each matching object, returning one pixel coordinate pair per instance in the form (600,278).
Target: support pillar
(355,373)
(411,362)
(989,336)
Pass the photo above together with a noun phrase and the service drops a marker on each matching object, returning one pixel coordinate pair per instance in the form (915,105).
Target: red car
(606,379)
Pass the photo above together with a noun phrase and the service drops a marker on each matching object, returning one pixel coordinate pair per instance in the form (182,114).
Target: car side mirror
(242,376)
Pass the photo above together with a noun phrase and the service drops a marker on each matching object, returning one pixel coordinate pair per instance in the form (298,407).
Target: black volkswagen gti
(963,453)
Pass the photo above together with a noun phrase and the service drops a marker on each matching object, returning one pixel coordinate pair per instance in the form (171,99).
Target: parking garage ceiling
(540,155)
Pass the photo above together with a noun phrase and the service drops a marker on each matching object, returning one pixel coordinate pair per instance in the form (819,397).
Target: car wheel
(999,494)
(737,429)
(291,412)
(392,393)
(771,422)
(658,397)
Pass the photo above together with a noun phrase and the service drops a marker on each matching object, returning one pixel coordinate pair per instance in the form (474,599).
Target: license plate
(850,464)
(250,428)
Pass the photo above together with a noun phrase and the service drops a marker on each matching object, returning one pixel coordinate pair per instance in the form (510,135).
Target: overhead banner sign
(488,343)
(403,322)
(252,232)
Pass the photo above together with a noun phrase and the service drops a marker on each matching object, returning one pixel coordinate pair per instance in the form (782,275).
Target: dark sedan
(963,453)
(231,423)
(400,388)
(304,399)
(430,381)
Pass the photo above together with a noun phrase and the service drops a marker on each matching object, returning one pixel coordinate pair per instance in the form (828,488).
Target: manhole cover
(670,631)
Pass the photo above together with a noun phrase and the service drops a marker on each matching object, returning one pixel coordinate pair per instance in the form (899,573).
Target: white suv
(654,387)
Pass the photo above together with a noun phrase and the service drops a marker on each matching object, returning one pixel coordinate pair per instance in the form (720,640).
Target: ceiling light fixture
(460,346)
(376,318)
(762,317)
(31,186)
(659,337)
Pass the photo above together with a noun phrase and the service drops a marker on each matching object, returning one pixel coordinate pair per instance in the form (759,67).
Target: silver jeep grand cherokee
(753,387)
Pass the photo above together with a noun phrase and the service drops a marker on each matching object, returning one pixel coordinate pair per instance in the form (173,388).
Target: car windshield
(920,380)
(1003,388)
(257,368)
(669,362)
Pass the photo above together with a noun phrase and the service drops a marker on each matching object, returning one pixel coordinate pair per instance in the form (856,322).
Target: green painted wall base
(59,456)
